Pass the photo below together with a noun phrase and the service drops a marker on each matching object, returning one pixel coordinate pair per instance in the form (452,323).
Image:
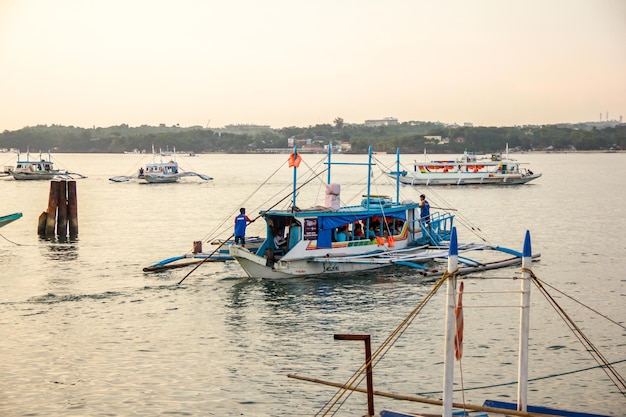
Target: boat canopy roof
(351,213)
(162,164)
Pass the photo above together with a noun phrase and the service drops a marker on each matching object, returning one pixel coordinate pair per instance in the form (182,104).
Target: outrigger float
(9,218)
(380,231)
(218,252)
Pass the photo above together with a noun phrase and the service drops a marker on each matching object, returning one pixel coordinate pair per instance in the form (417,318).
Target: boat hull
(160,178)
(468,178)
(257,266)
(41,176)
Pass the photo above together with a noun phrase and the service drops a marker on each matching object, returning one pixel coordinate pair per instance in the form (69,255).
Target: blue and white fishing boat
(327,239)
(4,220)
(40,169)
(453,351)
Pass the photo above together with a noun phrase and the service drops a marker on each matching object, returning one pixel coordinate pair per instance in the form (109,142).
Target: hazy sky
(298,63)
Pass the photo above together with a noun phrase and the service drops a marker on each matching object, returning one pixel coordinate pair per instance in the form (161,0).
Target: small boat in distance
(41,169)
(468,170)
(4,220)
(160,172)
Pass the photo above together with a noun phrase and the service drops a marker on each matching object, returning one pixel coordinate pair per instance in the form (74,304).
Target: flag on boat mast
(294,159)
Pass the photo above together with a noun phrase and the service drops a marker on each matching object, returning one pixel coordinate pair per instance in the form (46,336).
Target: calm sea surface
(84,332)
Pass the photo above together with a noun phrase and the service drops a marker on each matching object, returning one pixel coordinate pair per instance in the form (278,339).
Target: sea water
(84,332)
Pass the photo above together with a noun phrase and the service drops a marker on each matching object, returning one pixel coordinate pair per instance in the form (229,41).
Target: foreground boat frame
(453,348)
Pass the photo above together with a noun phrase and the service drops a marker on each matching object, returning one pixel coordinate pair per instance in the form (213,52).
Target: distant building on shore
(387,121)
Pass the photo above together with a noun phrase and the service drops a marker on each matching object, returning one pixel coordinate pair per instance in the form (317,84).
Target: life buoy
(294,160)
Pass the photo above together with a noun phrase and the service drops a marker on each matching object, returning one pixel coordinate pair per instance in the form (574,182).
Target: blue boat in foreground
(4,220)
(453,350)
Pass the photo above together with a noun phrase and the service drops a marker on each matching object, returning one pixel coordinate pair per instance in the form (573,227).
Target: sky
(300,63)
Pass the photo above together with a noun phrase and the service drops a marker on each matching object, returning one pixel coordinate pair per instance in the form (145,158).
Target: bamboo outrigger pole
(416,399)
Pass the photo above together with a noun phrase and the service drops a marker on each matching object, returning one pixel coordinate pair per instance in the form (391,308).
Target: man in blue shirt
(424,209)
(241,221)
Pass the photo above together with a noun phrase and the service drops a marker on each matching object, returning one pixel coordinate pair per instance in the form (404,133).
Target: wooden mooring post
(62,210)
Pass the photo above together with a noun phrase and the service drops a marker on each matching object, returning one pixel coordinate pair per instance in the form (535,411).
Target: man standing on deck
(424,210)
(241,221)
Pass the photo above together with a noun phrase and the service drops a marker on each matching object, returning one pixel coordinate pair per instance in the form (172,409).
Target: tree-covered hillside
(410,137)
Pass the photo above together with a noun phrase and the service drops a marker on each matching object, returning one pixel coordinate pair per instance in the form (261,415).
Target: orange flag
(294,160)
(458,336)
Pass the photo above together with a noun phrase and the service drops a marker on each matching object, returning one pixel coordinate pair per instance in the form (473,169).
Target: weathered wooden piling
(41,225)
(53,203)
(72,208)
(62,209)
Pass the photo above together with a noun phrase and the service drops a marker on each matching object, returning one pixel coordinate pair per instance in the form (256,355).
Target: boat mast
(328,161)
(398,175)
(448,359)
(369,175)
(295,177)
(522,374)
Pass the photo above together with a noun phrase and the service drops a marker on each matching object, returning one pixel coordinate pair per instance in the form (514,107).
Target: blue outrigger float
(4,220)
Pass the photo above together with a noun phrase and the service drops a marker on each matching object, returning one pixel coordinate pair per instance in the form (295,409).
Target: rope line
(582,304)
(504,384)
(609,370)
(10,241)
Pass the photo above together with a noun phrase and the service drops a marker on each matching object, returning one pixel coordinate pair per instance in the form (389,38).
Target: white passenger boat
(40,169)
(442,401)
(325,239)
(469,170)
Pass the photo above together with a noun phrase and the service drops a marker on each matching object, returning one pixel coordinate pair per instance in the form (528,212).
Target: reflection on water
(59,251)
(95,335)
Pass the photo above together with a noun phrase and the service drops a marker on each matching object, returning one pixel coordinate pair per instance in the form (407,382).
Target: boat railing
(437,230)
